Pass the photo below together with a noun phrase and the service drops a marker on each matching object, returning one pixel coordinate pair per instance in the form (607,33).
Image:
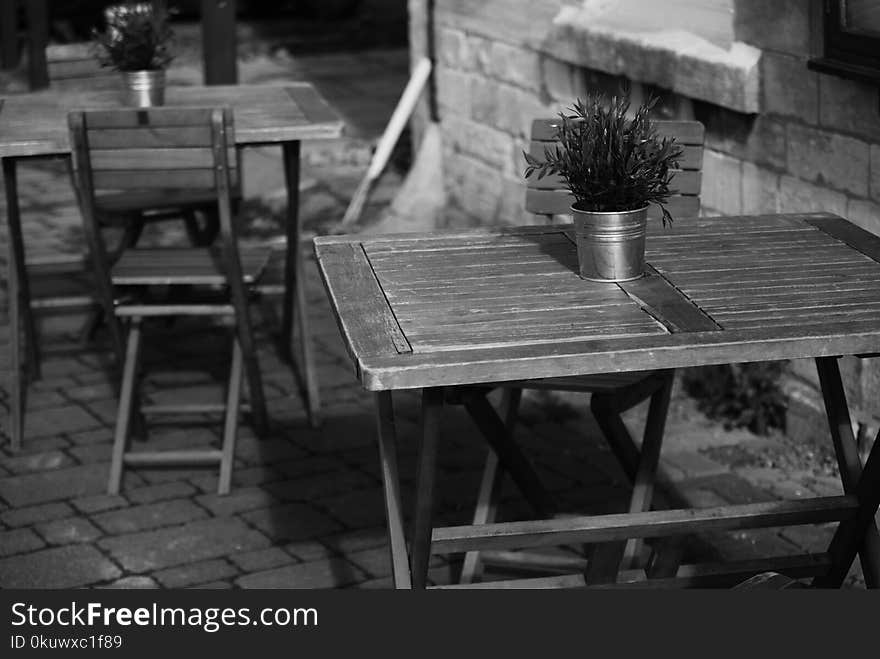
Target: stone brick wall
(779,137)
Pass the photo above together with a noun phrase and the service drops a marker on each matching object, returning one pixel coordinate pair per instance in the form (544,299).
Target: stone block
(149,516)
(18,541)
(238,501)
(262,559)
(452,50)
(722,183)
(324,573)
(798,196)
(197,541)
(67,531)
(161,492)
(72,566)
(54,485)
(760,190)
(828,158)
(54,421)
(453,91)
(474,186)
(557,79)
(35,514)
(195,573)
(875,172)
(780,25)
(479,140)
(789,88)
(849,106)
(864,213)
(291,522)
(518,66)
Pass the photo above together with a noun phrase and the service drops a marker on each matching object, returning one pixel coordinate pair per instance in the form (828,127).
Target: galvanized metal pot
(144,89)
(611,246)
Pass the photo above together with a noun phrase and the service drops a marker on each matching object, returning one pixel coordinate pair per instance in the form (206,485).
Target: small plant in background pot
(615,165)
(136,43)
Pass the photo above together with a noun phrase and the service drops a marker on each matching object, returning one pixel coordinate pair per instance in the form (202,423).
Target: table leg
(19,306)
(851,473)
(387,436)
(294,301)
(432,410)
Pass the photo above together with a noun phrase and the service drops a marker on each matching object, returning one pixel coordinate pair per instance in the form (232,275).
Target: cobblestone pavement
(306,509)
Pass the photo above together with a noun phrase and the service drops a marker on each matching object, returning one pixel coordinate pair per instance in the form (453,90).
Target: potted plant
(136,43)
(615,165)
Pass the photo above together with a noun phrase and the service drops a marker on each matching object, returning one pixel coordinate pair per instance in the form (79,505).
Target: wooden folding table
(448,312)
(35,126)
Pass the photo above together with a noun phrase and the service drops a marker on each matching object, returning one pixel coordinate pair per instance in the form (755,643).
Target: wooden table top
(421,310)
(36,124)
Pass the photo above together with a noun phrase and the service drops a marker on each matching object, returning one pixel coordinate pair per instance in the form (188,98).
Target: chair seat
(189,266)
(600,383)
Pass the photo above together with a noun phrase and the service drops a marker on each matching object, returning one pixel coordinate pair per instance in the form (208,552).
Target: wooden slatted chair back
(156,150)
(74,66)
(550,195)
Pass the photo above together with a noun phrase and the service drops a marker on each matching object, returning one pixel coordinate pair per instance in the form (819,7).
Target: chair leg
(432,409)
(126,400)
(245,338)
(490,486)
(313,395)
(18,383)
(230,425)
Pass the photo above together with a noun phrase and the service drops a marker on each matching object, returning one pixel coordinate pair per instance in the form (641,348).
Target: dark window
(851,38)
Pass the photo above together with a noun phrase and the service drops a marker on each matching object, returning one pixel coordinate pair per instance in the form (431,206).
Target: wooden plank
(155,158)
(700,575)
(365,319)
(153,138)
(148,118)
(615,354)
(312,105)
(685,182)
(606,528)
(686,132)
(691,156)
(558,202)
(857,238)
(143,179)
(668,305)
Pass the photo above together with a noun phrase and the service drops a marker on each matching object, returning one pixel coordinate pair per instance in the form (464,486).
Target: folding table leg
(313,395)
(387,439)
(420,548)
(126,405)
(850,466)
(490,486)
(290,154)
(230,424)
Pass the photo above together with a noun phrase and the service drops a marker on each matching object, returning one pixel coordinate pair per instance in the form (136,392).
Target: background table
(35,125)
(442,310)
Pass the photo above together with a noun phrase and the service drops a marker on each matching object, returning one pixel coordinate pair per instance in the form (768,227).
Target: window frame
(845,53)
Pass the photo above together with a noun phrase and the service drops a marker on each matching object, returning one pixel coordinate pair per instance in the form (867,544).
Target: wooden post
(38,38)
(8,34)
(219,51)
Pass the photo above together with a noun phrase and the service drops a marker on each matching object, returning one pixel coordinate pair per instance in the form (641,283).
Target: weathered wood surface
(36,124)
(490,306)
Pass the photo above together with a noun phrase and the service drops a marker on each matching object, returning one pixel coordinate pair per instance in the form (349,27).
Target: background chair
(187,153)
(612,395)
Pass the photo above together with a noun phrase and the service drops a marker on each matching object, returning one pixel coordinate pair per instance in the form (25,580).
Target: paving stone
(238,501)
(35,514)
(133,582)
(92,453)
(357,510)
(66,531)
(213,585)
(266,451)
(201,540)
(195,573)
(693,464)
(18,541)
(261,559)
(355,541)
(309,550)
(56,485)
(322,485)
(92,392)
(60,567)
(153,493)
(325,573)
(57,420)
(87,437)
(37,462)
(99,503)
(294,521)
(149,516)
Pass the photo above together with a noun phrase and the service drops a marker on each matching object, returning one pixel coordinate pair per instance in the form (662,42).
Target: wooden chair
(186,153)
(612,395)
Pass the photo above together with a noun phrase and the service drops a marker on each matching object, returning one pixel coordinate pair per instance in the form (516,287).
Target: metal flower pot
(611,246)
(144,89)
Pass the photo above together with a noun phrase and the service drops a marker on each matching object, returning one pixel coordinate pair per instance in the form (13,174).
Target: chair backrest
(74,66)
(550,195)
(162,151)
